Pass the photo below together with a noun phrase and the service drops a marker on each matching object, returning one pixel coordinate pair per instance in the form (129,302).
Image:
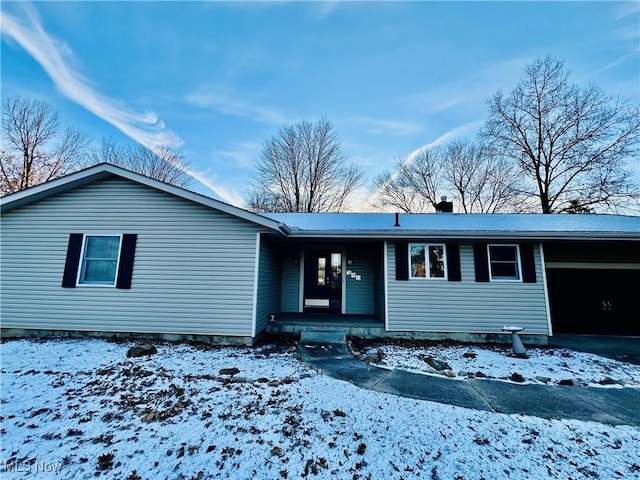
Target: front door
(323,281)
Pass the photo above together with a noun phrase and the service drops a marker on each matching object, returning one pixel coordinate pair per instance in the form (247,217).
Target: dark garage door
(594,301)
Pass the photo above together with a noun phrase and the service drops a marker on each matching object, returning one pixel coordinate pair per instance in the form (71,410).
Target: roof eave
(463,235)
(44,190)
(104,171)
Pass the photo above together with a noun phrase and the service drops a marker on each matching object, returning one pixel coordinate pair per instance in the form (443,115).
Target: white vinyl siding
(193,268)
(465,306)
(268,285)
(360,287)
(291,280)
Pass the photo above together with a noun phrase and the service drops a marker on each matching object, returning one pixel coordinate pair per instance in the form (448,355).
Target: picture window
(427,260)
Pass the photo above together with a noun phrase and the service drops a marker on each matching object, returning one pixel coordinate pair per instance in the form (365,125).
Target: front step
(323,336)
(322,345)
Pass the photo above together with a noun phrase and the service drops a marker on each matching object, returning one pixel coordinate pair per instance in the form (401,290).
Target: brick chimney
(444,206)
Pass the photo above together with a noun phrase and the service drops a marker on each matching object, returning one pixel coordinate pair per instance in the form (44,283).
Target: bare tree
(34,149)
(162,163)
(303,169)
(476,181)
(414,185)
(391,189)
(107,152)
(481,182)
(572,145)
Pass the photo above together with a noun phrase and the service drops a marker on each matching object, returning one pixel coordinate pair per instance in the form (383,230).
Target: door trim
(343,302)
(301,283)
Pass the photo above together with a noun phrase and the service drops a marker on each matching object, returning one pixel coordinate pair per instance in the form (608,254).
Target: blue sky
(217,79)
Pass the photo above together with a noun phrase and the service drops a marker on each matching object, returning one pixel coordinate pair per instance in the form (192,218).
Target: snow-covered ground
(82,409)
(542,365)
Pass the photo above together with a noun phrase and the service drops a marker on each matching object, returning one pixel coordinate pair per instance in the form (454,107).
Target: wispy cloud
(24,26)
(458,132)
(326,8)
(238,158)
(626,16)
(470,91)
(387,127)
(242,154)
(360,201)
(226,193)
(228,101)
(618,61)
(626,9)
(438,100)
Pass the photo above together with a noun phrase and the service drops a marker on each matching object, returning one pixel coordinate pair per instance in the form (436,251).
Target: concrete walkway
(615,406)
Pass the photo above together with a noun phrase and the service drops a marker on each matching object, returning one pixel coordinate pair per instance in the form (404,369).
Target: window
(322,271)
(99,261)
(427,261)
(504,262)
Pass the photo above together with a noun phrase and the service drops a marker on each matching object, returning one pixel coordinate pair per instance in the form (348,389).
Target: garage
(594,288)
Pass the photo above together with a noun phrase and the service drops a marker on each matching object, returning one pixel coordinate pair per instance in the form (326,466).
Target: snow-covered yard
(82,409)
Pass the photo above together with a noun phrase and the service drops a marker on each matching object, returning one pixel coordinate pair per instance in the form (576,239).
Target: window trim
(85,236)
(428,276)
(518,263)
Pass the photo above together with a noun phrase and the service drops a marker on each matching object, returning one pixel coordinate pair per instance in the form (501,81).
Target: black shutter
(453,262)
(402,261)
(481,262)
(127,253)
(528,263)
(74,249)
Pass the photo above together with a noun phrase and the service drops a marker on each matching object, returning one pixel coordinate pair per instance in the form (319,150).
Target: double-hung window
(427,260)
(504,262)
(99,261)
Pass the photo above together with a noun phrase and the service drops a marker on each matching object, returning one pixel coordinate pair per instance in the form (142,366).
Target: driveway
(625,349)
